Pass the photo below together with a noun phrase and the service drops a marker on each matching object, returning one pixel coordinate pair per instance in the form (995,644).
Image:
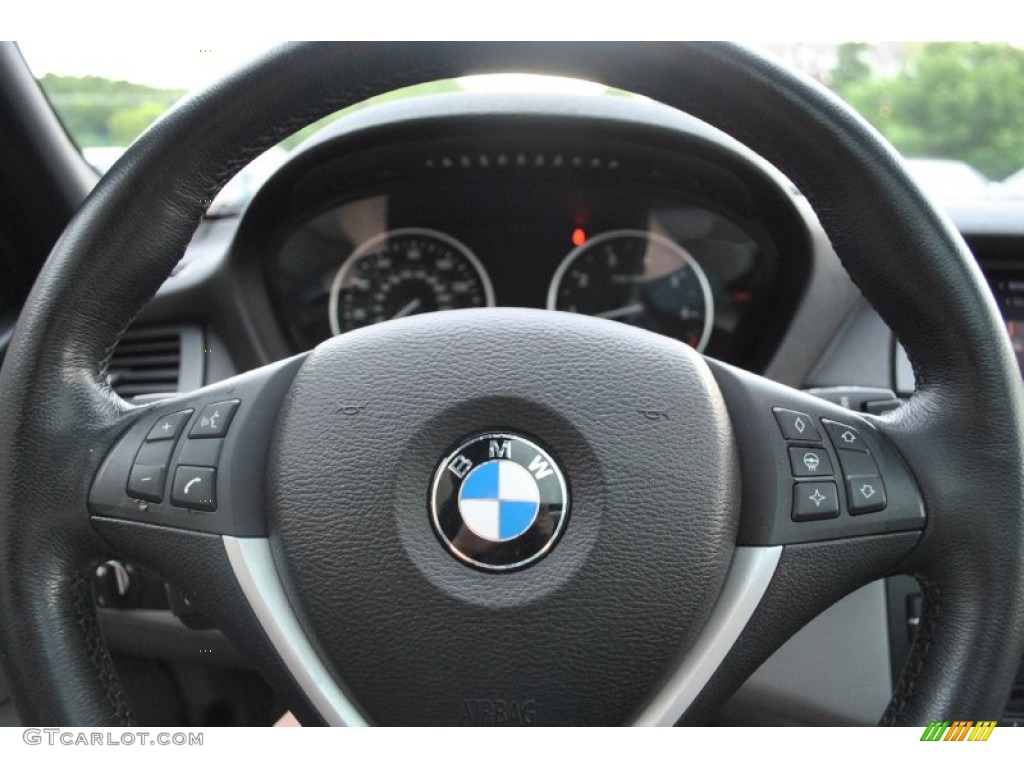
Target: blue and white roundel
(499,500)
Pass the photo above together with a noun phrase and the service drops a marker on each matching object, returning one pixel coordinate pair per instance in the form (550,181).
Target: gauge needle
(626,311)
(408,309)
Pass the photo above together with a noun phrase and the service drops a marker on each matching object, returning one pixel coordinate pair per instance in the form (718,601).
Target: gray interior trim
(830,296)
(749,575)
(751,571)
(256,572)
(834,671)
(860,353)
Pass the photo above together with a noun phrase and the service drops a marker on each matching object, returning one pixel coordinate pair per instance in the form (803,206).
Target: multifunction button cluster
(816,486)
(193,477)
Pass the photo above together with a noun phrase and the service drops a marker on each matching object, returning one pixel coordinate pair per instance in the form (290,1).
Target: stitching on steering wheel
(326,107)
(244,157)
(716,116)
(918,652)
(82,602)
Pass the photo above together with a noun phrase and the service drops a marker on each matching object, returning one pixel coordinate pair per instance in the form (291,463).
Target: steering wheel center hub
(475,427)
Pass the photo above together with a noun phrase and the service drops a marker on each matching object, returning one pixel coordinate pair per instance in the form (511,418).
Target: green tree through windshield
(958,101)
(963,101)
(106,113)
(98,112)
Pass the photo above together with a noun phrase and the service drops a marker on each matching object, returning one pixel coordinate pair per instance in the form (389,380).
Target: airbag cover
(585,634)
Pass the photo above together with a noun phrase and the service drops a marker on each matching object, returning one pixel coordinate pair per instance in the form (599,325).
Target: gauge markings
(406,272)
(637,277)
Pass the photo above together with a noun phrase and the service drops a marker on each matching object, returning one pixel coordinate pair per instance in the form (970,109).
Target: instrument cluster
(684,268)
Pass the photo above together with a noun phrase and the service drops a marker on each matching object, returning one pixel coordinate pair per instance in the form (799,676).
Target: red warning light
(579,237)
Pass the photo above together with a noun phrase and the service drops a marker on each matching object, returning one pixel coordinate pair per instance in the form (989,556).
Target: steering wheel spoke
(807,579)
(181,492)
(828,505)
(197,461)
(813,471)
(199,566)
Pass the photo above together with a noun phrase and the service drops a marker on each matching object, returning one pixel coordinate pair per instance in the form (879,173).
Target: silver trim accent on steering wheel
(746,582)
(253,564)
(749,574)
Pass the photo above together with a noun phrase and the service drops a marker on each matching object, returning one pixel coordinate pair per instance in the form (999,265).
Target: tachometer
(637,277)
(406,272)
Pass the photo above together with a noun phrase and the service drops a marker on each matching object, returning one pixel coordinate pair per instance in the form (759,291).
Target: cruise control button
(195,488)
(214,419)
(867,494)
(796,425)
(809,462)
(815,501)
(844,436)
(168,427)
(147,482)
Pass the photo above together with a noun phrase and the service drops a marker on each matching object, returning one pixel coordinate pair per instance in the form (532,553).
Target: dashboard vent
(156,361)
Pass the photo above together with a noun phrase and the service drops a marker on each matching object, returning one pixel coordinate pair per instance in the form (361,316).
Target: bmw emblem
(499,501)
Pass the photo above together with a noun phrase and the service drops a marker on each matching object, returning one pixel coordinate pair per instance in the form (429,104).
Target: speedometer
(637,277)
(406,272)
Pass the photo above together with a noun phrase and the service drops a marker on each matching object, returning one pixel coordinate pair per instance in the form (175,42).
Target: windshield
(955,110)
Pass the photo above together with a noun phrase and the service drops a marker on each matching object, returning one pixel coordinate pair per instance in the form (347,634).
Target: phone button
(195,488)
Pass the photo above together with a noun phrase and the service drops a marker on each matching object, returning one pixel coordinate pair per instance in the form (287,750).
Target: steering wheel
(319,534)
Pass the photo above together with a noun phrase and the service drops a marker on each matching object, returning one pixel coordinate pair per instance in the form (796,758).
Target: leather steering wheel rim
(961,433)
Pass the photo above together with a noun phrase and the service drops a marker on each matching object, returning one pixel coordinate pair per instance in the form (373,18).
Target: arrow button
(845,437)
(866,492)
(796,425)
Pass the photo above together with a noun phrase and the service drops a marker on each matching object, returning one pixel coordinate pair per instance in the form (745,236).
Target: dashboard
(1007,284)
